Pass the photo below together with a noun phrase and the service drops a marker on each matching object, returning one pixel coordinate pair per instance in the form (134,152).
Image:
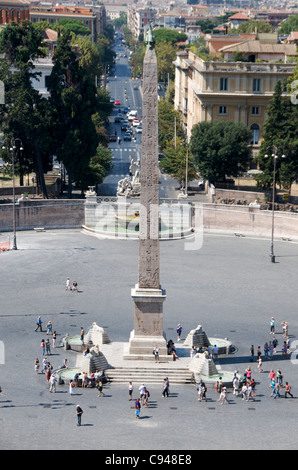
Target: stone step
(149,375)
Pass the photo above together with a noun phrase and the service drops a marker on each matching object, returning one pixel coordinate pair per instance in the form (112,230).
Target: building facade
(226,91)
(14,10)
(138,19)
(54,14)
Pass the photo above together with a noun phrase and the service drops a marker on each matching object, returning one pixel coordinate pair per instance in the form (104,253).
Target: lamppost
(12,149)
(275,157)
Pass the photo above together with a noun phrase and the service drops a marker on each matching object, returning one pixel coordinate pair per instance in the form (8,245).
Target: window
(223,110)
(256,85)
(223,84)
(255,134)
(255,110)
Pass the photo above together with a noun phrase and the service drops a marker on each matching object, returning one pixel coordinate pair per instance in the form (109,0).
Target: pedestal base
(148,325)
(141,348)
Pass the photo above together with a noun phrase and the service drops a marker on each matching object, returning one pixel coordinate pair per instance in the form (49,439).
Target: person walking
(179,331)
(260,363)
(48,347)
(54,339)
(82,335)
(67,284)
(38,324)
(75,286)
(138,407)
(79,413)
(71,388)
(266,350)
(166,388)
(272,326)
(252,353)
(36,366)
(43,347)
(99,388)
(288,388)
(130,391)
(156,353)
(224,396)
(53,381)
(49,327)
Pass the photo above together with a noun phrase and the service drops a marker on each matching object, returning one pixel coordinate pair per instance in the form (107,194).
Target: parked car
(127,136)
(117,102)
(136,122)
(112,138)
(118,119)
(139,129)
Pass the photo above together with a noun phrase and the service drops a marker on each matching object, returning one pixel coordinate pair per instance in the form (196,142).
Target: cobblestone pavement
(229,286)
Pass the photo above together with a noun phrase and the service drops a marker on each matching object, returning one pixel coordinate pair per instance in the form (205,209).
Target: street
(128,92)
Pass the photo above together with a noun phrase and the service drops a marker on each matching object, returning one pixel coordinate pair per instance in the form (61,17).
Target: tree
(175,161)
(168,124)
(288,25)
(74,26)
(220,149)
(25,114)
(73,101)
(280,135)
(168,35)
(251,26)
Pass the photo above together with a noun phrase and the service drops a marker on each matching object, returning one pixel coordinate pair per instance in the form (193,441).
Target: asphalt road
(229,286)
(122,88)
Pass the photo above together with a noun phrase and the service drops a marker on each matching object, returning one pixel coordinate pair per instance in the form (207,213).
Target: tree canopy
(220,149)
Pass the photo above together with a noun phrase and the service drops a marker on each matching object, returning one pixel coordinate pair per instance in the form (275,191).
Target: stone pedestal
(148,324)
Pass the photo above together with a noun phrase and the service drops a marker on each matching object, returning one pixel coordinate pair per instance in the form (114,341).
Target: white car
(136,122)
(139,130)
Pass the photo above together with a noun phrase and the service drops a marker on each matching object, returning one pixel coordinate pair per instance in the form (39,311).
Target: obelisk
(147,295)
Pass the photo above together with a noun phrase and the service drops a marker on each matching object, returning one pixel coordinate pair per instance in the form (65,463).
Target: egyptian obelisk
(147,295)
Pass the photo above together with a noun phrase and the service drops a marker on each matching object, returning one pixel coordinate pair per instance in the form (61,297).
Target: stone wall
(49,213)
(247,221)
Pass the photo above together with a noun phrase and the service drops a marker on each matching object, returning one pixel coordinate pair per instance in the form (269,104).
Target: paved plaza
(229,286)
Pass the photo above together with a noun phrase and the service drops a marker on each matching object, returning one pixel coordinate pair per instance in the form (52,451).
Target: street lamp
(275,157)
(12,149)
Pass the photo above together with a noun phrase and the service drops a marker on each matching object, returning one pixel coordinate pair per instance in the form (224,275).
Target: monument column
(147,295)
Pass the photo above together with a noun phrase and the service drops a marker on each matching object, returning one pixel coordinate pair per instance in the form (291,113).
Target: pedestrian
(130,391)
(271,350)
(279,377)
(82,335)
(141,391)
(179,331)
(259,352)
(146,395)
(48,347)
(244,391)
(266,350)
(276,390)
(44,365)
(38,324)
(193,352)
(67,284)
(287,388)
(272,386)
(275,343)
(166,388)
(75,286)
(138,407)
(235,386)
(79,413)
(54,339)
(36,366)
(48,372)
(53,381)
(49,327)
(284,350)
(215,352)
(285,329)
(43,347)
(224,396)
(156,353)
(252,353)
(71,387)
(272,326)
(99,388)
(260,362)
(272,375)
